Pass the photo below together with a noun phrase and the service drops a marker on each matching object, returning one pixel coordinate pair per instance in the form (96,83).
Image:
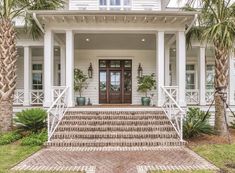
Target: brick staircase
(115,129)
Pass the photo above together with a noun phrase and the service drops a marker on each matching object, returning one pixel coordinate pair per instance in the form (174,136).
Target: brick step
(115,142)
(115,113)
(108,135)
(109,128)
(116,122)
(115,117)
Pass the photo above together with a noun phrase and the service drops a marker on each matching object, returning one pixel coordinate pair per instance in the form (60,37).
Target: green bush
(33,120)
(194,124)
(34,139)
(9,137)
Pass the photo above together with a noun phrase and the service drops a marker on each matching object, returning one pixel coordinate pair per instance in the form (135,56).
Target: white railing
(192,97)
(56,112)
(56,91)
(36,97)
(173,91)
(209,96)
(18,97)
(173,111)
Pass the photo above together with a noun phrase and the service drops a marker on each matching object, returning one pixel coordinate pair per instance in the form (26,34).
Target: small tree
(146,83)
(79,81)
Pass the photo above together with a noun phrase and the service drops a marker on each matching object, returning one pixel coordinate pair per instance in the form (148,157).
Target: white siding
(20,73)
(84,57)
(83,4)
(147,5)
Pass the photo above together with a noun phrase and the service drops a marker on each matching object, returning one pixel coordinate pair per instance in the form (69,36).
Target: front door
(115,81)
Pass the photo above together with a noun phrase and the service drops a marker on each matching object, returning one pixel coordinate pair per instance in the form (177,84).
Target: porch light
(140,70)
(90,71)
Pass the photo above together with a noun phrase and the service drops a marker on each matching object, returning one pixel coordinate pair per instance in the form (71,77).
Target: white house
(115,37)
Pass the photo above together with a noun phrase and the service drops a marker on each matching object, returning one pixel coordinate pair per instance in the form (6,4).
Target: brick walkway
(173,158)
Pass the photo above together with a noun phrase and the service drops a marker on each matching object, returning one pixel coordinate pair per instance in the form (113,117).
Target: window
(37,77)
(190,77)
(115,4)
(210,74)
(103,2)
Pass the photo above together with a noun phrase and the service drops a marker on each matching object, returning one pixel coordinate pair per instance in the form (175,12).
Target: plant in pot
(146,83)
(79,85)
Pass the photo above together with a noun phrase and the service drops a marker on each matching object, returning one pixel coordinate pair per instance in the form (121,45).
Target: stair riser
(114,117)
(109,136)
(116,123)
(113,129)
(140,144)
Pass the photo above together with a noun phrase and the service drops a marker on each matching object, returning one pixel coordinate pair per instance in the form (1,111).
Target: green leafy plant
(146,83)
(9,137)
(33,120)
(196,123)
(79,81)
(35,139)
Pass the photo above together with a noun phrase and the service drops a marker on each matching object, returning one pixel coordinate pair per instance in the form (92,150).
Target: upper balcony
(116,5)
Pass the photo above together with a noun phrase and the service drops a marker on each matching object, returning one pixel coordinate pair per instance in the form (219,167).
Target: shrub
(9,137)
(195,124)
(34,139)
(33,120)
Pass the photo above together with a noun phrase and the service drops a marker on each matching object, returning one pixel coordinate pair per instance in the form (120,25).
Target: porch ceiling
(143,17)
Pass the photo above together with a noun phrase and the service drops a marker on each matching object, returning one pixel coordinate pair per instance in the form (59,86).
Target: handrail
(56,112)
(174,113)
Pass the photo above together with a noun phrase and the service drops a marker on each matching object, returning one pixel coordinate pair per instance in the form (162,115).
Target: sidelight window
(210,75)
(190,76)
(37,77)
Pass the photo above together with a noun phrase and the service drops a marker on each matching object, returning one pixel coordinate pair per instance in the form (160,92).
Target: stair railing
(56,112)
(173,111)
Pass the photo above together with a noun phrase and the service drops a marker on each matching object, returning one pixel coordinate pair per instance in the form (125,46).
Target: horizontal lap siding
(83,4)
(147,5)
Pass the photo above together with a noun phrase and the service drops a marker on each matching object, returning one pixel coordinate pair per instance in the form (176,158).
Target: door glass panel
(103,81)
(115,64)
(127,81)
(115,81)
(102,63)
(127,64)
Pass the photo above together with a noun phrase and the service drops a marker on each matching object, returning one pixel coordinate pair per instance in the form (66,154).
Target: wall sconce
(90,71)
(140,70)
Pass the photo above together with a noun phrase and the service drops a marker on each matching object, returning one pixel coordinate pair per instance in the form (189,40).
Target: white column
(181,65)
(167,65)
(231,79)
(70,66)
(202,76)
(48,67)
(160,66)
(27,75)
(62,65)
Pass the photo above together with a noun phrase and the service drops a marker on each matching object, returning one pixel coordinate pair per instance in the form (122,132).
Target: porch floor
(129,161)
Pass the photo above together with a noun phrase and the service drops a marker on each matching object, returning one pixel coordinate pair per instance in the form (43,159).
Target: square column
(48,67)
(231,79)
(160,66)
(181,66)
(202,76)
(62,65)
(167,66)
(70,66)
(27,75)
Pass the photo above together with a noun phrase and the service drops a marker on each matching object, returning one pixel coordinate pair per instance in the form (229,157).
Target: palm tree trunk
(8,57)
(221,85)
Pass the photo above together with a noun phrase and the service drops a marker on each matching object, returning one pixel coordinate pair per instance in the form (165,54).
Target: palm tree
(216,26)
(10,10)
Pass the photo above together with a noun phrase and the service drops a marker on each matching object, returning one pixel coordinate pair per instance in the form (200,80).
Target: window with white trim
(37,83)
(190,76)
(210,75)
(115,4)
(59,74)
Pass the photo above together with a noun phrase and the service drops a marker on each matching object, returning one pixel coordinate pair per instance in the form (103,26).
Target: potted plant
(146,83)
(79,85)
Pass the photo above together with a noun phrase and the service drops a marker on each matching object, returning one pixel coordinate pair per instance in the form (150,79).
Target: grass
(12,154)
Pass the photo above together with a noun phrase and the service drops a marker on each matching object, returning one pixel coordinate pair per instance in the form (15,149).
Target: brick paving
(105,161)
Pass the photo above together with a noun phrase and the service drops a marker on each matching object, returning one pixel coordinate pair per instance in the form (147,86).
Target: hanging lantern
(90,71)
(140,70)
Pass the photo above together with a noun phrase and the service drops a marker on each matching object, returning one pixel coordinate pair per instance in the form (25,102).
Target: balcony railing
(192,96)
(19,97)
